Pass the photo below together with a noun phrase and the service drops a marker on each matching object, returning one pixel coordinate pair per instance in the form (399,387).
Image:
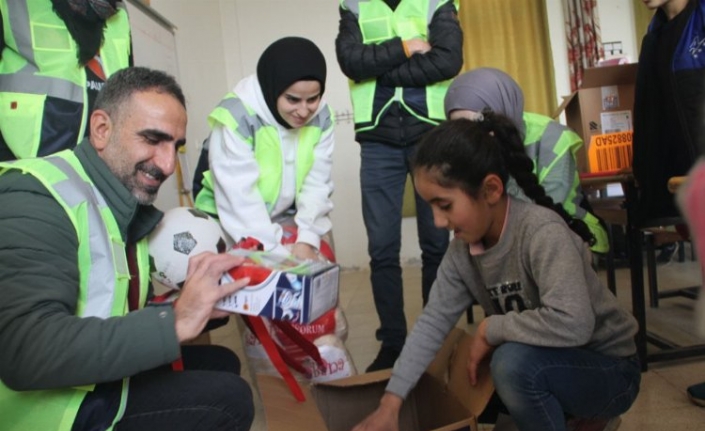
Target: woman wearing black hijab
(270,153)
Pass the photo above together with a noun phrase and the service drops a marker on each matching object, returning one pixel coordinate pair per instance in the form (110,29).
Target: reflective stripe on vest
(104,279)
(39,60)
(235,115)
(99,285)
(378,23)
(546,140)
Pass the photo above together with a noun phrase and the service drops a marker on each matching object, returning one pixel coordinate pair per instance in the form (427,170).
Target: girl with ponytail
(551,146)
(559,344)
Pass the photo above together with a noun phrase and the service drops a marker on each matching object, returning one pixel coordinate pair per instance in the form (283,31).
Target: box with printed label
(282,288)
(600,111)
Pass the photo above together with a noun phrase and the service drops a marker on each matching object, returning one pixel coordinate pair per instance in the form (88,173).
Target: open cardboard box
(443,400)
(601,112)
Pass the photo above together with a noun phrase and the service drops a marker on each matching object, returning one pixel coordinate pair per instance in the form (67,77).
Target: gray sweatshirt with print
(537,287)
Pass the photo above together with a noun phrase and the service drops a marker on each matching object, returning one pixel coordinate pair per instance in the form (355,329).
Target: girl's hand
(385,418)
(478,350)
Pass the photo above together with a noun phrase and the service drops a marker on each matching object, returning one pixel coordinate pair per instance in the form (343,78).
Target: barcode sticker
(610,152)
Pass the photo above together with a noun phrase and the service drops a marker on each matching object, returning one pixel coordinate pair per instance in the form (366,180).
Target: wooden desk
(625,213)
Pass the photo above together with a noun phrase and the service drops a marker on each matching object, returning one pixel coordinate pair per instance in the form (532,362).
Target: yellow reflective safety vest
(233,113)
(546,143)
(379,23)
(40,61)
(104,283)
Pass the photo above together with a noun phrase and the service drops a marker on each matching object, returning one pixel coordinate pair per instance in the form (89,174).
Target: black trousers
(208,395)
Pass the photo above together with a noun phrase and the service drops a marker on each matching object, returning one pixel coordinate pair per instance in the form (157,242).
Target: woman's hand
(478,350)
(385,418)
(303,251)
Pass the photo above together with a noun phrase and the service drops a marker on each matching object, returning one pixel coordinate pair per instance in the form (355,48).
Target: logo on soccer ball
(184,242)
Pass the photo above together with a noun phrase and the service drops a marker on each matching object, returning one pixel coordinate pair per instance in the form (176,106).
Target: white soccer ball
(182,233)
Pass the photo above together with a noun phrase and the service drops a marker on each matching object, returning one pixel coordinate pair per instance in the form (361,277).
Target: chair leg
(609,262)
(681,251)
(651,269)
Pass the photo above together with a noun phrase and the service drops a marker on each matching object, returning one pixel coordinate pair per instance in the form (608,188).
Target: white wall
(199,46)
(617,22)
(219,42)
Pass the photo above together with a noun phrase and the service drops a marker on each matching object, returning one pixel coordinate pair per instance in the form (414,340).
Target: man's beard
(145,195)
(119,165)
(86,31)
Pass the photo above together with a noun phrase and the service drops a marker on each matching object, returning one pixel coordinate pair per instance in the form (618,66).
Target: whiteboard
(154,46)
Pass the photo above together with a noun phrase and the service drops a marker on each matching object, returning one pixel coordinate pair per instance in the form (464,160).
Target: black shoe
(667,252)
(386,358)
(696,393)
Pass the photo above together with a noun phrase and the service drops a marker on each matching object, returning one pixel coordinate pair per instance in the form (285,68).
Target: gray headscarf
(487,87)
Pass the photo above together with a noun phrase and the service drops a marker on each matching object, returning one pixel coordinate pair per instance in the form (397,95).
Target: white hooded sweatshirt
(235,171)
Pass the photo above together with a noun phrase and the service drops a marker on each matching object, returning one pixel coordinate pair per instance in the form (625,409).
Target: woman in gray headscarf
(551,145)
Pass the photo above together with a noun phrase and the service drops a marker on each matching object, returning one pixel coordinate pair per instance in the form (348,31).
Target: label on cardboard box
(610,152)
(282,288)
(616,121)
(610,97)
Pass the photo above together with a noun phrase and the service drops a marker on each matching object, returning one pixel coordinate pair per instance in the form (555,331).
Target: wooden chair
(656,236)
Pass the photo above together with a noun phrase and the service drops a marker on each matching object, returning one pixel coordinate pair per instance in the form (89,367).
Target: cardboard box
(443,400)
(601,112)
(282,288)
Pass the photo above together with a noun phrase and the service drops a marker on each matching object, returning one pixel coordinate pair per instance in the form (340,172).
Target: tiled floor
(662,403)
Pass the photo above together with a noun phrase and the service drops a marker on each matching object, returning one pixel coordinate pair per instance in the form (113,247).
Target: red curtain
(583,37)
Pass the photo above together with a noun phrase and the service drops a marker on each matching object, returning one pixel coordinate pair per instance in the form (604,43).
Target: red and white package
(257,357)
(327,333)
(336,357)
